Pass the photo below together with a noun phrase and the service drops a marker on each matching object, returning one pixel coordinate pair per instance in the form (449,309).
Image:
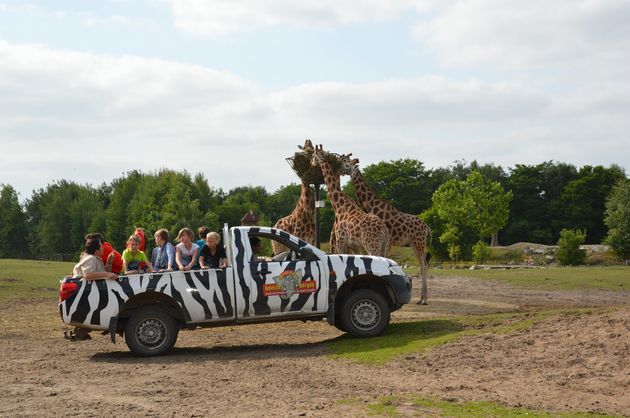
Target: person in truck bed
(186,251)
(111,258)
(90,266)
(212,255)
(133,257)
(163,255)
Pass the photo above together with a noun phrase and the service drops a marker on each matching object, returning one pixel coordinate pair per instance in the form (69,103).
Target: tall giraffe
(300,221)
(353,230)
(406,230)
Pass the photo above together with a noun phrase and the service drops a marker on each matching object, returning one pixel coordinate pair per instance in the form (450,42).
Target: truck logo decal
(288,283)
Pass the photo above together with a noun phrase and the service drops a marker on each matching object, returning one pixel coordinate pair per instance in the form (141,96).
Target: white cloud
(224,16)
(518,35)
(89,118)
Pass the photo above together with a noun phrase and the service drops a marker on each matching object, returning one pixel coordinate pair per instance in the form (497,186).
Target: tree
(618,219)
(404,183)
(60,216)
(475,203)
(583,201)
(535,209)
(13,243)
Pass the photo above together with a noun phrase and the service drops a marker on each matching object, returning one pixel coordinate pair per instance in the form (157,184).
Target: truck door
(294,282)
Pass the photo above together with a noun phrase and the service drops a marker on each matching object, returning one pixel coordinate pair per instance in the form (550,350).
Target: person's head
(134,243)
(185,235)
(202,232)
(95,235)
(93,246)
(212,239)
(161,237)
(256,245)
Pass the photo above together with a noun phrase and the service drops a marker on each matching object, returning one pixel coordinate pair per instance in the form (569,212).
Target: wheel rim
(151,333)
(365,314)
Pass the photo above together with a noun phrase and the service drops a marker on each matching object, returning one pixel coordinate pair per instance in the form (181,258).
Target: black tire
(151,332)
(365,313)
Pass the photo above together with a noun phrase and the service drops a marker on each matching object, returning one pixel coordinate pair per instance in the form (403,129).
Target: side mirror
(306,254)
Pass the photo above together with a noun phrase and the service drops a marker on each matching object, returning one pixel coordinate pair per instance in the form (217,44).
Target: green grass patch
(615,278)
(406,338)
(27,279)
(394,406)
(397,340)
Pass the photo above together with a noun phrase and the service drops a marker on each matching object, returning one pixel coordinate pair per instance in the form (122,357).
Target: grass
(406,338)
(558,278)
(394,406)
(27,279)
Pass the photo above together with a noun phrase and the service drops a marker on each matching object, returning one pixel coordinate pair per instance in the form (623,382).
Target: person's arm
(100,275)
(194,259)
(110,261)
(170,253)
(223,263)
(124,260)
(202,262)
(178,258)
(202,258)
(149,265)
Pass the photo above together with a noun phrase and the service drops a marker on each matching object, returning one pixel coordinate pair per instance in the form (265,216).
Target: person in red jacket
(111,258)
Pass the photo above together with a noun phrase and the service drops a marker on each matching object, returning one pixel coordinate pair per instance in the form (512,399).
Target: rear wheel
(151,332)
(365,313)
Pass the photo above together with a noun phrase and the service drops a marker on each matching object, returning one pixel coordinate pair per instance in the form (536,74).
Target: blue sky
(90,90)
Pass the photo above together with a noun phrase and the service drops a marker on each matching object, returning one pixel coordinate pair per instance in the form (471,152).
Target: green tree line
(544,199)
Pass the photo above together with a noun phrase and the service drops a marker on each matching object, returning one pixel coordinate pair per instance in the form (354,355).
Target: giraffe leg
(424,291)
(424,267)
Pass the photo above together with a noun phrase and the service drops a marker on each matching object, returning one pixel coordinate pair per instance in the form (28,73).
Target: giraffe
(353,230)
(406,230)
(300,221)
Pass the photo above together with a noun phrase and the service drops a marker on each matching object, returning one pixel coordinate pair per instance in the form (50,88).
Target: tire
(151,332)
(365,313)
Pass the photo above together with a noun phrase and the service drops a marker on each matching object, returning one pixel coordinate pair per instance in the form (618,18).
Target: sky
(90,90)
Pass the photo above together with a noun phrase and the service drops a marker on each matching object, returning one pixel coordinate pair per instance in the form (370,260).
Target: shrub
(569,253)
(480,252)
(454,251)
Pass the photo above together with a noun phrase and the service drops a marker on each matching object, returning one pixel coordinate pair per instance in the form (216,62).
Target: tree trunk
(495,239)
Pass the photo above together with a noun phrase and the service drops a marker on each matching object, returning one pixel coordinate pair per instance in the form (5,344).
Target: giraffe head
(348,164)
(308,146)
(319,155)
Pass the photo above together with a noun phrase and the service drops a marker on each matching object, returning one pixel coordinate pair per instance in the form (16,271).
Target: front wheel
(151,332)
(365,313)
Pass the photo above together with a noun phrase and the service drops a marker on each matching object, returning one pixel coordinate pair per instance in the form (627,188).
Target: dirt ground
(568,363)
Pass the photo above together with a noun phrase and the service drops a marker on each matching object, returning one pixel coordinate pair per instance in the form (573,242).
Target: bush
(480,252)
(569,253)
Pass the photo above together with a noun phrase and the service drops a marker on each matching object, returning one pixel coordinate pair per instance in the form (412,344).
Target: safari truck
(355,293)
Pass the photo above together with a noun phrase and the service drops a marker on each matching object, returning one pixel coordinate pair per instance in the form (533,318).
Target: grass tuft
(28,279)
(419,406)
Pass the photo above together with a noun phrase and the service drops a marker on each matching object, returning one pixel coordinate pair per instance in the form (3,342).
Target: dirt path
(569,363)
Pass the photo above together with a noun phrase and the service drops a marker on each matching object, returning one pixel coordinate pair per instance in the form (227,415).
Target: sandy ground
(567,363)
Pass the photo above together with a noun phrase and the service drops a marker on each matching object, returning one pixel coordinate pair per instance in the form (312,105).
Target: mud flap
(113,324)
(330,316)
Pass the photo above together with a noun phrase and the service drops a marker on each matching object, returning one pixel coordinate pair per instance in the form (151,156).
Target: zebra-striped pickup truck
(355,293)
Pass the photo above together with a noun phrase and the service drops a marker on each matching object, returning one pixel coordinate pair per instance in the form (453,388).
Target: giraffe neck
(365,196)
(305,202)
(338,199)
